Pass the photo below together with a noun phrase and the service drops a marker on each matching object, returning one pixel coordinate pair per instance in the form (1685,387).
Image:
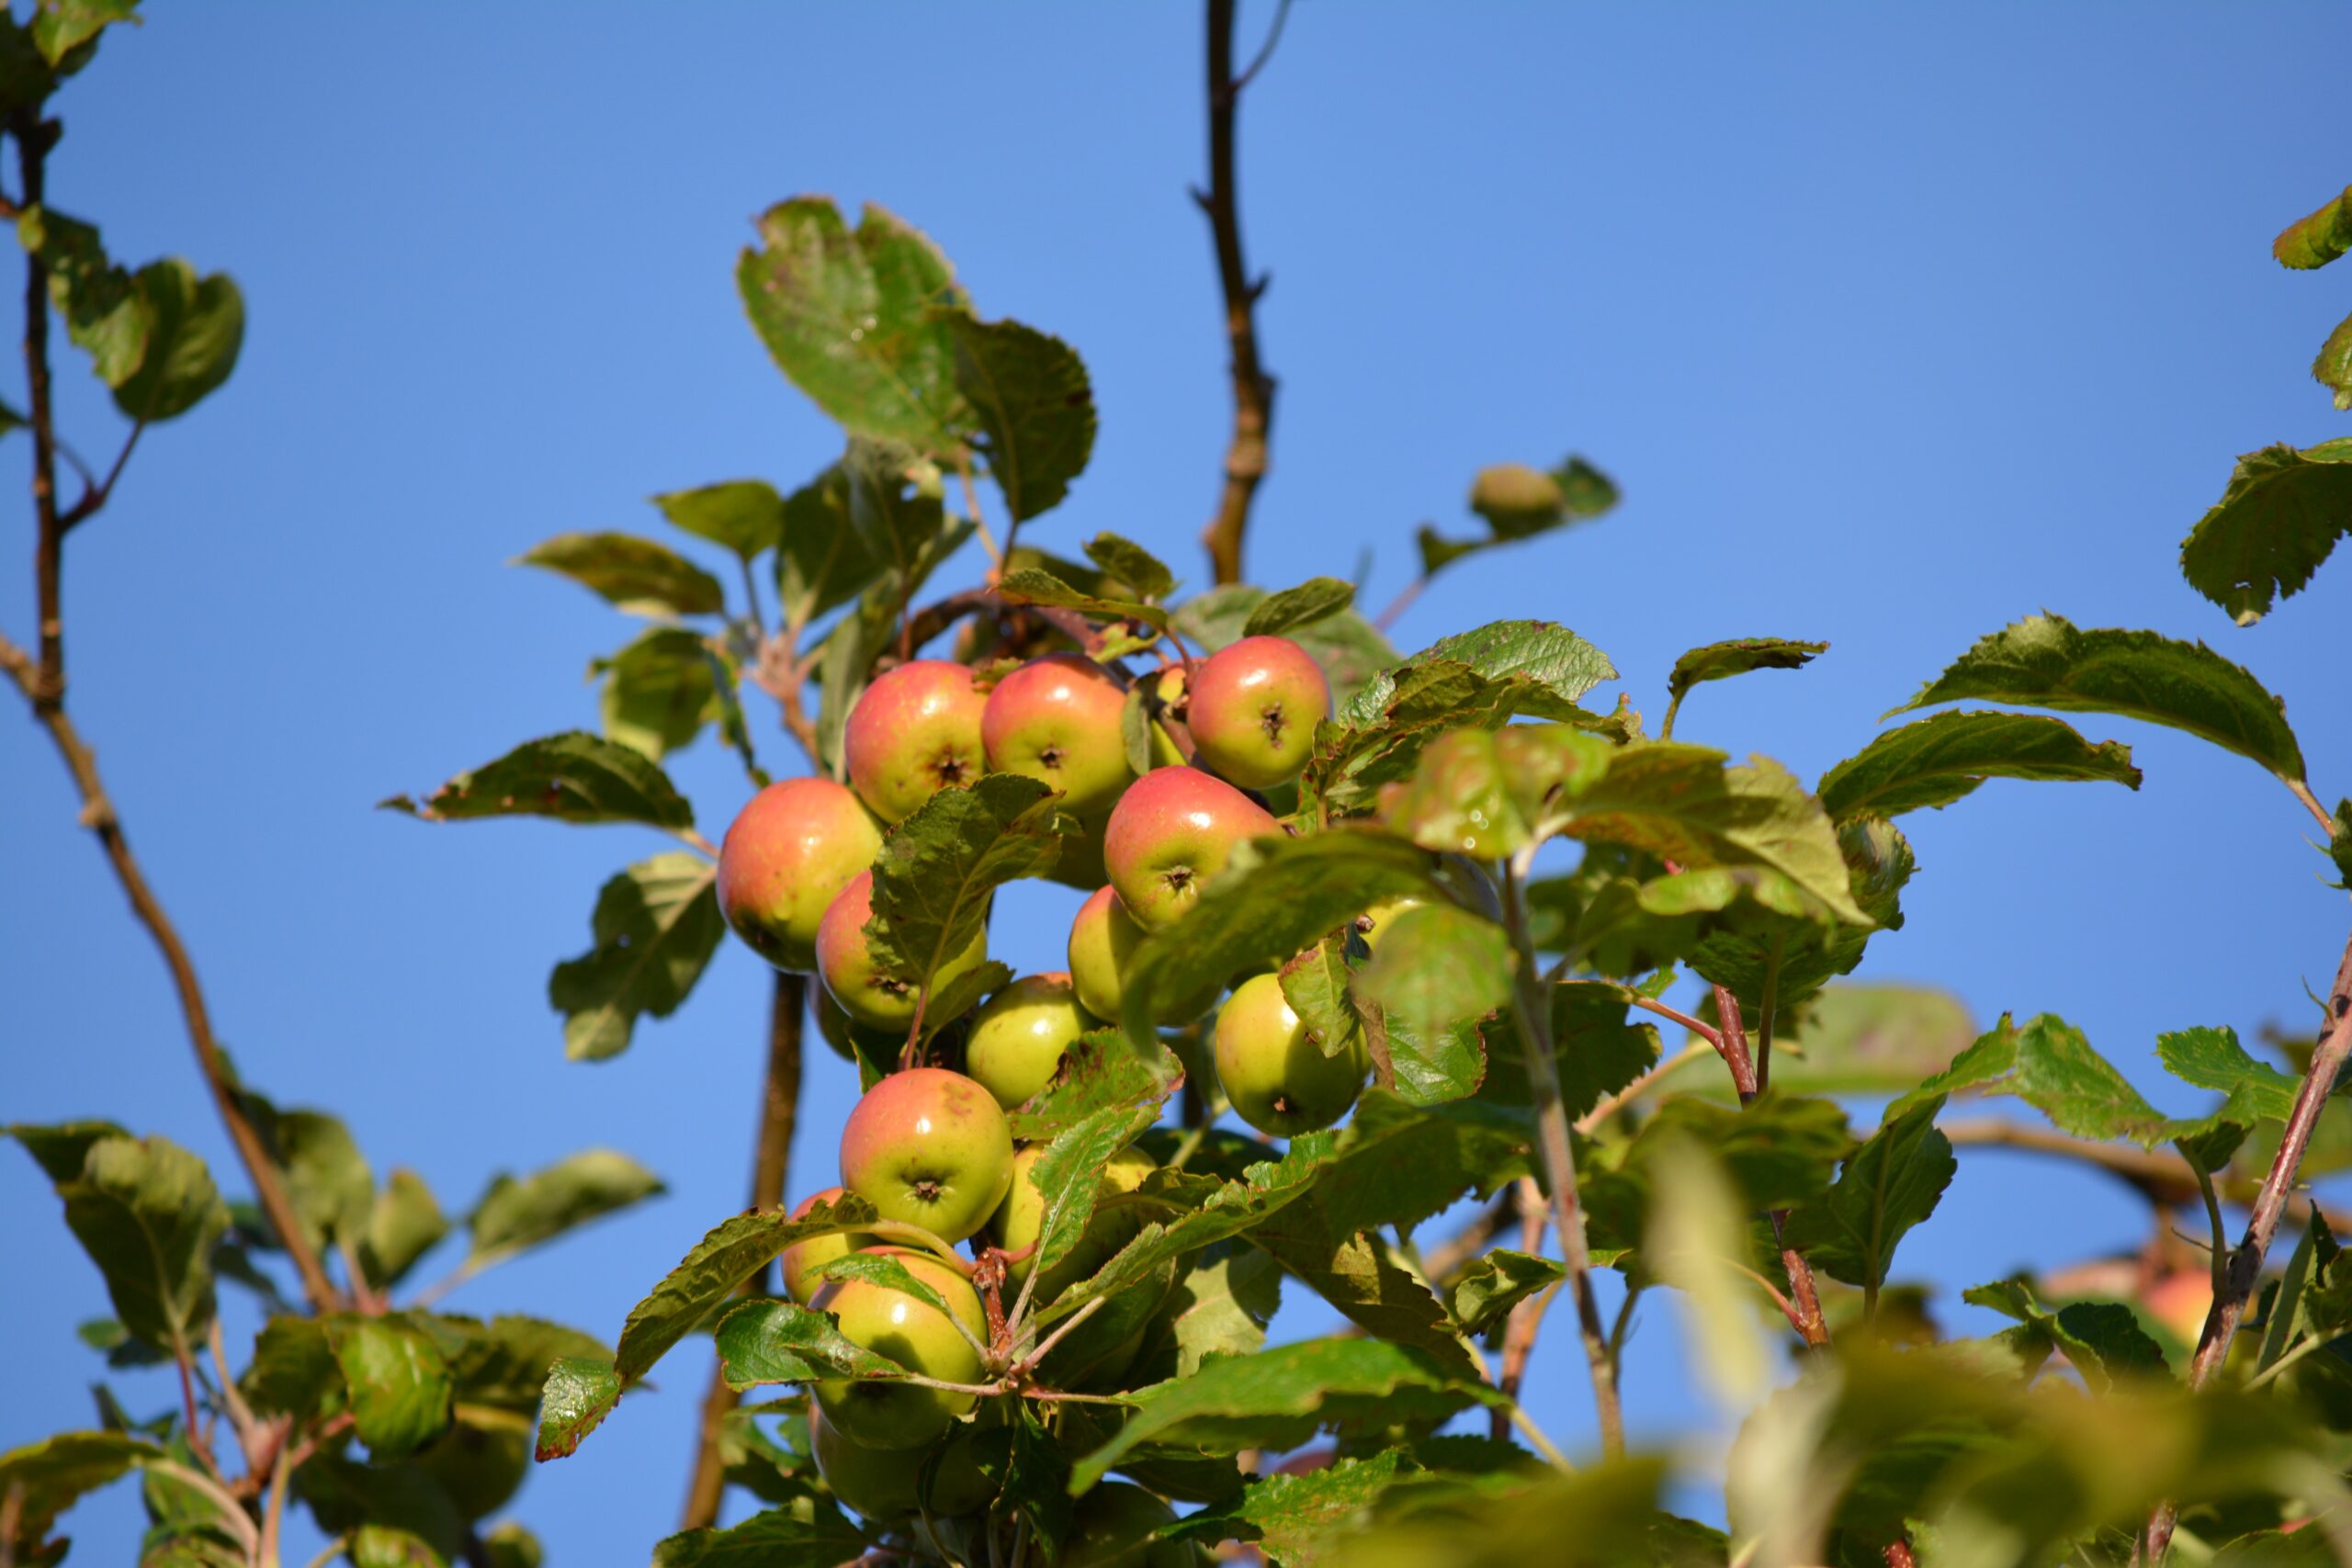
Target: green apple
(1110,1528)
(881,1485)
(1017,1039)
(914,732)
(802,1259)
(895,1324)
(845,963)
(1278,1080)
(1056,719)
(1253,708)
(1022,1216)
(929,1148)
(787,857)
(1172,832)
(1102,942)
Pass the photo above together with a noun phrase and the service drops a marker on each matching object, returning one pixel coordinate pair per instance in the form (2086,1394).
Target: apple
(803,1258)
(929,1148)
(1110,1527)
(1056,719)
(1018,1038)
(1171,833)
(895,1324)
(845,963)
(1022,1216)
(1253,710)
(1278,1080)
(1102,942)
(881,1484)
(787,855)
(915,732)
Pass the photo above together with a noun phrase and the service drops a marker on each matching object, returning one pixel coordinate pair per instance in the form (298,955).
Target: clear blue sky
(1894,325)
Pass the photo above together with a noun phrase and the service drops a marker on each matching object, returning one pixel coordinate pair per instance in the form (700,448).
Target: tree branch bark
(1253,388)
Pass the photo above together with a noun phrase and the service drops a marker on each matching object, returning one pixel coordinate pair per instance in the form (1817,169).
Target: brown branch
(1527,1317)
(779,1111)
(1674,1014)
(2269,1203)
(98,816)
(2161,1178)
(1253,390)
(1733,1043)
(34,137)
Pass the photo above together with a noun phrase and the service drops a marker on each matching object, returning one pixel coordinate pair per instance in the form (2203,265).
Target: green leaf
(2276,523)
(294,1371)
(1941,759)
(108,315)
(656,925)
(1299,1520)
(1316,598)
(887,1272)
(2050,1066)
(745,516)
(1068,1176)
(1220,1307)
(2102,1340)
(514,1216)
(1871,1038)
(960,994)
(1277,1398)
(1886,1187)
(861,322)
(401,1392)
(938,868)
(1492,1283)
(1314,984)
(659,691)
(1127,562)
(60,1148)
(1518,502)
(1033,585)
(730,1253)
(2286,1310)
(895,502)
(505,1363)
(2332,367)
(778,1341)
(61,26)
(1780,1151)
(1398,1164)
(1273,900)
(388,1546)
(1102,1068)
(2340,842)
(572,777)
(1759,939)
(1722,660)
(146,1212)
(1438,966)
(197,326)
(581,1392)
(2317,238)
(2044,661)
(48,1477)
(820,562)
(1036,407)
(1029,1471)
(1600,1515)
(776,1539)
(1552,657)
(2213,1058)
(327,1177)
(631,573)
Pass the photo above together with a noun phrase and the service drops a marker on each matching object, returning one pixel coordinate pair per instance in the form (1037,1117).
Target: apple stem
(1028,1363)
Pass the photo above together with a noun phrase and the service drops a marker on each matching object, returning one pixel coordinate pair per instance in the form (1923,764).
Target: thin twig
(197,1443)
(1767,1005)
(1028,1363)
(2161,1178)
(1399,605)
(1651,1004)
(240,1414)
(232,1517)
(95,496)
(1807,1316)
(979,521)
(1594,1119)
(1527,1317)
(1253,388)
(1471,1238)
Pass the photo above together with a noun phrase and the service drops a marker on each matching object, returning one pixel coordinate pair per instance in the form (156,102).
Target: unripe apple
(787,857)
(845,963)
(1019,1219)
(881,1485)
(802,1259)
(1171,833)
(1278,1080)
(919,1338)
(915,732)
(1056,719)
(1108,1530)
(1102,942)
(929,1148)
(1018,1038)
(1254,707)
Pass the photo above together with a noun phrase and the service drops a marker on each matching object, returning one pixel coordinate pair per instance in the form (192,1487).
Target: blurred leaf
(2332,367)
(1863,1038)
(659,691)
(503,1364)
(514,1216)
(1722,660)
(2317,238)
(1492,1283)
(197,326)
(2278,1548)
(1941,759)
(1779,1152)
(146,1212)
(404,1223)
(50,1475)
(2340,842)
(820,562)
(2213,1058)
(769,1540)
(656,925)
(62,1148)
(939,867)
(2288,1312)
(895,502)
(572,777)
(387,1546)
(1277,1398)
(326,1175)
(293,1371)
(779,1341)
(1518,502)
(2277,521)
(1696,1240)
(2101,1340)
(581,1392)
(1316,598)
(745,516)
(1601,1515)
(861,322)
(122,1349)
(1299,1520)
(2051,1065)
(730,1253)
(345,1494)
(1130,563)
(2044,661)
(1489,795)
(1036,408)
(61,26)
(1886,1187)
(1551,655)
(107,315)
(631,573)
(400,1387)
(1437,965)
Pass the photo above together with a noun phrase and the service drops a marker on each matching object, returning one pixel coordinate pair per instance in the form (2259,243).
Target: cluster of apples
(931,1147)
